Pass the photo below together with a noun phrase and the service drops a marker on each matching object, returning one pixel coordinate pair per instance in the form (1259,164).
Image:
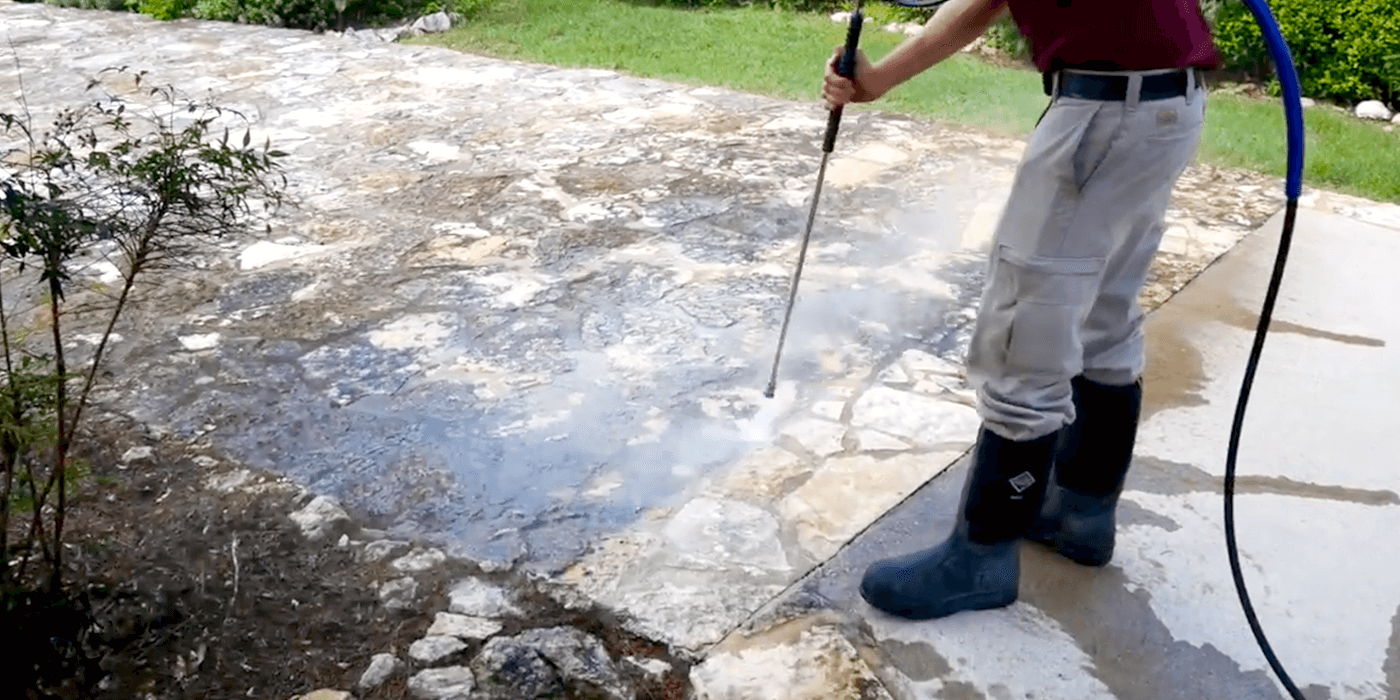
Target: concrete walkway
(527,313)
(1317,509)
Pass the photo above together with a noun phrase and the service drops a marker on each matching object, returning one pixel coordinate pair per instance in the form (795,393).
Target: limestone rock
(322,517)
(451,683)
(399,594)
(325,694)
(807,668)
(578,657)
(381,667)
(726,535)
(436,23)
(134,455)
(477,598)
(922,419)
(841,17)
(1373,109)
(419,561)
(433,649)
(508,669)
(463,626)
(653,668)
(820,437)
(383,549)
(1395,119)
(1307,102)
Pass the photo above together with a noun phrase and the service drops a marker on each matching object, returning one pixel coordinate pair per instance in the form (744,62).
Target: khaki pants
(1071,254)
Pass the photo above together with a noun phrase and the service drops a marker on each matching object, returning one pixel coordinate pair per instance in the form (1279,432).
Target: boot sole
(965,603)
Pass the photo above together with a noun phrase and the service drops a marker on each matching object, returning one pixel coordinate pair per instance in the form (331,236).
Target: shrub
(139,189)
(1346,50)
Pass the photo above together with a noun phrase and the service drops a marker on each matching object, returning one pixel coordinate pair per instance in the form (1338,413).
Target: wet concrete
(1162,620)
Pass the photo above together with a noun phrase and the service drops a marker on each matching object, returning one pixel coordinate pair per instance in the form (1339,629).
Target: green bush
(1006,37)
(1346,50)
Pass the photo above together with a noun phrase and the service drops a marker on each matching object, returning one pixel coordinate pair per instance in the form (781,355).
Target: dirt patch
(186,578)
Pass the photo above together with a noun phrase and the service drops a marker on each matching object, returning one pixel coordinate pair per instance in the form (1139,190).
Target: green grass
(781,53)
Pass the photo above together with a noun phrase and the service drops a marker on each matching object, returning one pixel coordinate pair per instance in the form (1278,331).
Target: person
(1057,355)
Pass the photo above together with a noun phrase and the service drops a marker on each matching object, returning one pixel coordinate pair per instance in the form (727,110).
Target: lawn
(781,53)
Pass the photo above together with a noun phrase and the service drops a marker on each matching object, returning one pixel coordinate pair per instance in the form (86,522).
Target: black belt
(1114,88)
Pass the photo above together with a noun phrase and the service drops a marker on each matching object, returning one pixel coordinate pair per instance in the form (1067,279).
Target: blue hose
(1292,92)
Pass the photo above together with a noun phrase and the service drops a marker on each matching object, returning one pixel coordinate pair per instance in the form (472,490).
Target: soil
(177,586)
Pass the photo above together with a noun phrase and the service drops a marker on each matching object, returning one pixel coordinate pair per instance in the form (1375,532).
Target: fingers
(836,90)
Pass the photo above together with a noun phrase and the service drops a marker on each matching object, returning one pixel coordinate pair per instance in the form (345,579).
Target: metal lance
(846,68)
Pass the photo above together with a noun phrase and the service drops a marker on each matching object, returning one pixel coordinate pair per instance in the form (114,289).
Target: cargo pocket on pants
(1052,298)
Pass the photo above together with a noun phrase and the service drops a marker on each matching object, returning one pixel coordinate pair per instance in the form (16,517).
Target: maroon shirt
(1115,34)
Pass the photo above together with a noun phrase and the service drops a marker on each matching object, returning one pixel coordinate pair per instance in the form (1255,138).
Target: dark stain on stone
(1172,478)
(959,690)
(917,660)
(1130,513)
(1248,319)
(1132,651)
(1317,692)
(1175,374)
(1392,659)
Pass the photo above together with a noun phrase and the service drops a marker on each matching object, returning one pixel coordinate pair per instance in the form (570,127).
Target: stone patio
(528,313)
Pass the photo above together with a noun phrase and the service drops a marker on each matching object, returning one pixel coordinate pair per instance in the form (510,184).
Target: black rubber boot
(1077,517)
(978,566)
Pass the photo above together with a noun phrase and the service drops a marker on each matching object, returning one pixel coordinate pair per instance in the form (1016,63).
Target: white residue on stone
(927,421)
(459,228)
(988,653)
(425,331)
(199,341)
(477,598)
(463,626)
(95,338)
(434,151)
(264,253)
(432,649)
(653,668)
(106,271)
(419,561)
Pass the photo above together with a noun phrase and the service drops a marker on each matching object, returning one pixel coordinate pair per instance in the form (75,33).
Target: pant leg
(1093,171)
(1114,343)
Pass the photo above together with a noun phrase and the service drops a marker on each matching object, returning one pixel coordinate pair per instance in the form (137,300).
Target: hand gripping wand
(846,68)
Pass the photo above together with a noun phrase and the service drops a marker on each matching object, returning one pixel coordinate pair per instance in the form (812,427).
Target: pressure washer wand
(846,68)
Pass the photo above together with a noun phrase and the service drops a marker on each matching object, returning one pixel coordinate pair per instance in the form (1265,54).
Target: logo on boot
(1022,481)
